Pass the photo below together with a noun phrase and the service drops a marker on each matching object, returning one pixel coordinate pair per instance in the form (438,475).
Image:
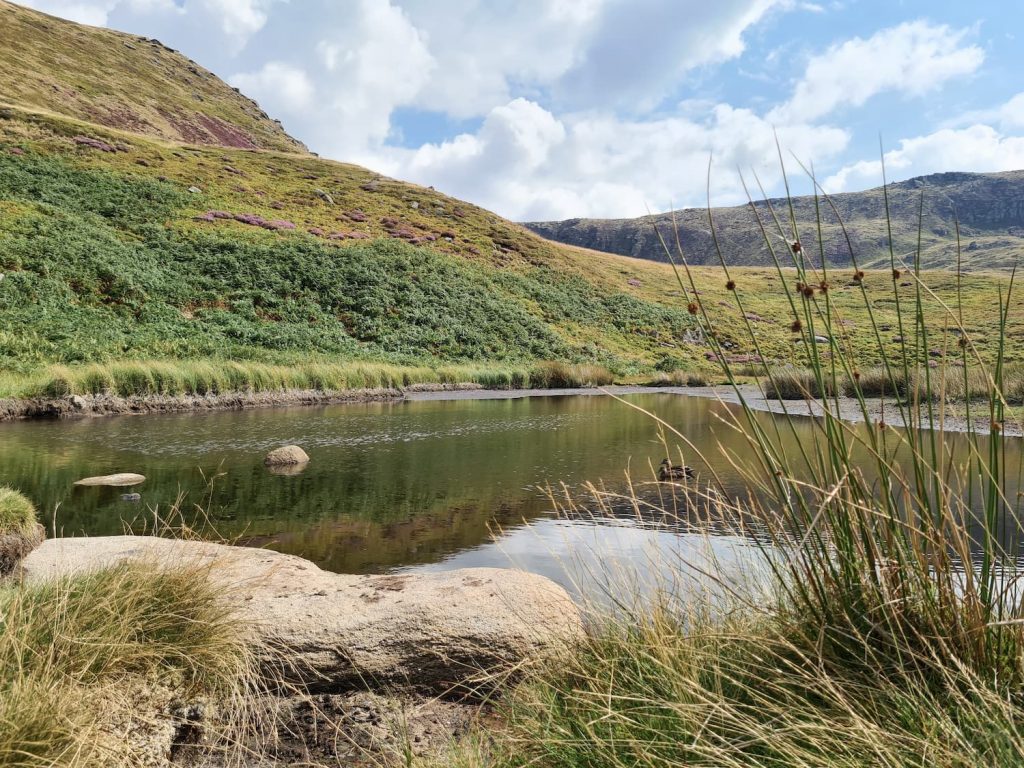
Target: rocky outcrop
(330,632)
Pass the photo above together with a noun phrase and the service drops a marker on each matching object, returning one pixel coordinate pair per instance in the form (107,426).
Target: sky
(555,109)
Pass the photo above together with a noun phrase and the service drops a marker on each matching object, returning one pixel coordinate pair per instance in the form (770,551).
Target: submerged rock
(287,455)
(120,480)
(435,632)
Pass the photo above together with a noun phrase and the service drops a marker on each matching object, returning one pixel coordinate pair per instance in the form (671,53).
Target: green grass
(882,624)
(74,652)
(177,378)
(103,262)
(17,513)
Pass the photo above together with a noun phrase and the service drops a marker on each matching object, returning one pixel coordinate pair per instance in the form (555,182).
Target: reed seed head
(808,292)
(796,326)
(823,286)
(858,276)
(730,285)
(996,427)
(692,308)
(856,375)
(797,248)
(896,274)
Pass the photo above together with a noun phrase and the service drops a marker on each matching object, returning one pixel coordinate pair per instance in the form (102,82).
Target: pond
(435,481)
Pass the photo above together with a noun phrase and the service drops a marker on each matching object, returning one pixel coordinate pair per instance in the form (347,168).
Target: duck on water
(668,471)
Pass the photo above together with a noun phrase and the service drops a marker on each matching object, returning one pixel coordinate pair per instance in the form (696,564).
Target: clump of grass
(558,375)
(74,651)
(17,512)
(893,632)
(796,384)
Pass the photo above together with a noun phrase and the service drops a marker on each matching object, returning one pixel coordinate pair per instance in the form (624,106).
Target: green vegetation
(77,656)
(882,624)
(124,81)
(17,513)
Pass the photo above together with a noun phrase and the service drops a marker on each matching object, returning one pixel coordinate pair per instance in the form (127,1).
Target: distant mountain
(126,82)
(989,206)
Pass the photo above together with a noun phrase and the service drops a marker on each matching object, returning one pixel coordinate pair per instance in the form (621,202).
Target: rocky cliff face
(988,206)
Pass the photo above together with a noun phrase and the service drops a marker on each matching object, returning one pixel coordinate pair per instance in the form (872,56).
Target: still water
(433,482)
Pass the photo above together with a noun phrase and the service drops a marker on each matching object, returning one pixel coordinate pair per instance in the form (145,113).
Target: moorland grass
(75,652)
(17,512)
(886,626)
(177,378)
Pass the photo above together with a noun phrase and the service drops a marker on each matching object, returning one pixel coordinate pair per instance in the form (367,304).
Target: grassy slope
(124,81)
(104,259)
(107,257)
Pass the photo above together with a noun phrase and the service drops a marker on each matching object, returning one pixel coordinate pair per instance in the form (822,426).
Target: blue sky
(543,109)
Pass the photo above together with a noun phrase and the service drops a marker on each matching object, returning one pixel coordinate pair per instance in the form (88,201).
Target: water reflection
(424,483)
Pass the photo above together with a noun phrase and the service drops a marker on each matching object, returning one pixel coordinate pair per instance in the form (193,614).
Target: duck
(678,472)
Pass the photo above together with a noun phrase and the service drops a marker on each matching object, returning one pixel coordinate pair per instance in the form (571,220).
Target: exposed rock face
(285,456)
(120,480)
(334,632)
(989,207)
(15,546)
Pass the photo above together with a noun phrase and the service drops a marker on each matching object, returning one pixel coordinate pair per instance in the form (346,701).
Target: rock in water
(431,632)
(287,455)
(121,480)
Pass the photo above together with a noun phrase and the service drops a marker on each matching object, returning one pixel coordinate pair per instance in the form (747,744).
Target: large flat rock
(337,632)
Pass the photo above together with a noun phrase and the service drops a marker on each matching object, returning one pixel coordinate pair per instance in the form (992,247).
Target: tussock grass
(796,384)
(17,512)
(893,632)
(75,655)
(175,378)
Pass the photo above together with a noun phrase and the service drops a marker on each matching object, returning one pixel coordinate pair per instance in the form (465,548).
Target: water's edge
(86,406)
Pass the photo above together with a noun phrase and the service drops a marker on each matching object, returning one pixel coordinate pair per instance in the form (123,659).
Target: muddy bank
(84,406)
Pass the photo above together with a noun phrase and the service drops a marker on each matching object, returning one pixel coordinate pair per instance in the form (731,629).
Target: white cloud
(913,58)
(528,164)
(978,148)
(239,19)
(93,12)
(278,86)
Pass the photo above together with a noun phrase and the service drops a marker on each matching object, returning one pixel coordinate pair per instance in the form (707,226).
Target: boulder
(15,545)
(286,455)
(428,632)
(120,480)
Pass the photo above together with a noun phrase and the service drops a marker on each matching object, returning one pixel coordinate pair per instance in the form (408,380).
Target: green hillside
(125,81)
(119,246)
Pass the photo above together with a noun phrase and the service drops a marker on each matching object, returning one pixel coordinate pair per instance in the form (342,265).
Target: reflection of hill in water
(389,484)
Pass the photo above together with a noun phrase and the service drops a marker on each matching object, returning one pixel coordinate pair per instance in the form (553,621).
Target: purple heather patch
(276,224)
(316,231)
(635,283)
(356,216)
(88,141)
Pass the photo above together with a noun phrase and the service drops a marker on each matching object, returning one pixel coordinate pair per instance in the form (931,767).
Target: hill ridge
(82,72)
(988,206)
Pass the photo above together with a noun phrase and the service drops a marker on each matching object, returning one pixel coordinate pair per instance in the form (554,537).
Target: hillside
(120,246)
(125,81)
(990,207)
